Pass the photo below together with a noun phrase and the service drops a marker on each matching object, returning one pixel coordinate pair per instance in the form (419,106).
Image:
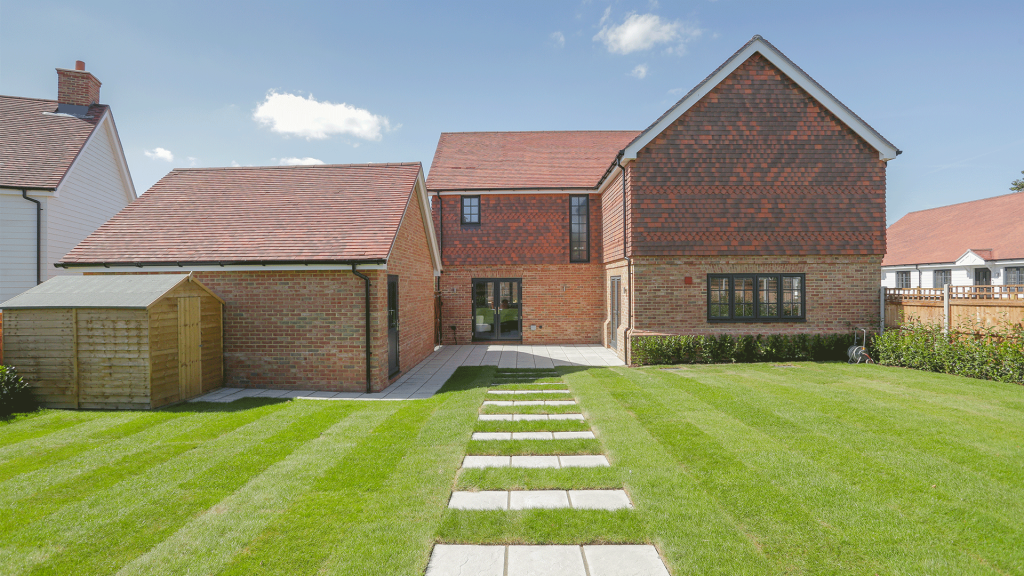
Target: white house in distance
(974,243)
(62,174)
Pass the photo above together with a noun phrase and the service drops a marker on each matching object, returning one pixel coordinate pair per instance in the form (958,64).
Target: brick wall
(77,87)
(841,292)
(410,260)
(514,229)
(565,302)
(758,167)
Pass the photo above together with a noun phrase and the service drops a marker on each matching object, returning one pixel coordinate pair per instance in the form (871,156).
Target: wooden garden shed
(116,341)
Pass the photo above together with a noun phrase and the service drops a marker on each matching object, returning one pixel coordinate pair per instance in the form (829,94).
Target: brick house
(327,272)
(755,205)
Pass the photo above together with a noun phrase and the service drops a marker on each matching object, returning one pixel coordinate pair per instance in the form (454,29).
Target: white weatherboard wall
(18,242)
(961,275)
(93,191)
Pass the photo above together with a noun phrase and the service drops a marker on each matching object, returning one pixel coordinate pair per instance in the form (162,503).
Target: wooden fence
(955,306)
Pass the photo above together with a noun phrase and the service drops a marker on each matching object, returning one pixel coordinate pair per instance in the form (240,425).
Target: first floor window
(470,209)
(903,279)
(941,277)
(756,297)
(579,229)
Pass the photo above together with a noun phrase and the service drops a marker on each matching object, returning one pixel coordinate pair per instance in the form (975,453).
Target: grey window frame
(947,271)
(462,210)
(902,274)
(757,317)
(1018,271)
(586,232)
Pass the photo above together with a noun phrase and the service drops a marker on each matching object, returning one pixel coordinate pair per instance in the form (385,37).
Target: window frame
(1018,270)
(462,210)
(586,197)
(948,271)
(903,274)
(756,303)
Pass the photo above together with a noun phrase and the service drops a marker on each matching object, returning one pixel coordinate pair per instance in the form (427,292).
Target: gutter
(221,263)
(629,264)
(39,235)
(369,368)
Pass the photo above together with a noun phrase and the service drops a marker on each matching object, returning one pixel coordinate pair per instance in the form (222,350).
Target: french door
(497,309)
(614,294)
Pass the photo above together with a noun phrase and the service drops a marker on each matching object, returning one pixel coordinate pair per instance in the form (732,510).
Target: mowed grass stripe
(690,527)
(881,469)
(541,527)
(157,520)
(42,423)
(530,426)
(96,469)
(143,495)
(210,540)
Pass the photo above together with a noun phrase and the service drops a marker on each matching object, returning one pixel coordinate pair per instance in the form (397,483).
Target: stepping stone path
(559,560)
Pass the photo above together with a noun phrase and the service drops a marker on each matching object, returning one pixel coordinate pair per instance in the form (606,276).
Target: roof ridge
(534,131)
(29,98)
(356,165)
(961,203)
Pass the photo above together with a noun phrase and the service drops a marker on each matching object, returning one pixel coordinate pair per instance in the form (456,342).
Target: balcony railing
(1013,292)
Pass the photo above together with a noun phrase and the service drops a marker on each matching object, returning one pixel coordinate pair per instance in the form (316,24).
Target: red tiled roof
(944,234)
(283,214)
(36,147)
(510,160)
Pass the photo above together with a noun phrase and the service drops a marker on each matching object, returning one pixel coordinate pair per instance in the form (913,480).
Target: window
(941,277)
(903,279)
(471,210)
(756,298)
(579,229)
(1014,276)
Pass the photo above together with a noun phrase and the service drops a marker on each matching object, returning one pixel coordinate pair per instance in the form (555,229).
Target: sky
(269,83)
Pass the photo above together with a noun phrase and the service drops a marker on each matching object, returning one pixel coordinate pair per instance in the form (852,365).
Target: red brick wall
(77,87)
(410,260)
(758,167)
(841,292)
(514,229)
(565,302)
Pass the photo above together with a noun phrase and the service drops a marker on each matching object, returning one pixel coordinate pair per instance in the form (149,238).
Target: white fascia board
(34,192)
(227,268)
(970,258)
(106,123)
(885,150)
(428,223)
(517,191)
(122,162)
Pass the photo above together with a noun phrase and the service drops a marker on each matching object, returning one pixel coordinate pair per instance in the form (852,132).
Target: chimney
(77,87)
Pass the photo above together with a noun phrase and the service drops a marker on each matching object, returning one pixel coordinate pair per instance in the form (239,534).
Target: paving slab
(624,560)
(322,394)
(487,500)
(519,417)
(500,403)
(534,462)
(559,402)
(545,561)
(492,435)
(507,417)
(532,436)
(487,462)
(583,461)
(461,560)
(565,417)
(546,391)
(573,435)
(527,403)
(599,499)
(530,499)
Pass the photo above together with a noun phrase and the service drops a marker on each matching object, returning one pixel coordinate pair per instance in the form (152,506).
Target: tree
(1018,184)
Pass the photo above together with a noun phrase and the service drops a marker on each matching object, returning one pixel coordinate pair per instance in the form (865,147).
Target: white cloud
(639,72)
(643,32)
(604,17)
(193,161)
(235,164)
(300,161)
(159,154)
(676,91)
(558,38)
(294,115)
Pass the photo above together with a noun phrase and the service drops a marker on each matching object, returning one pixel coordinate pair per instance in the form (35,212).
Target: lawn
(733,469)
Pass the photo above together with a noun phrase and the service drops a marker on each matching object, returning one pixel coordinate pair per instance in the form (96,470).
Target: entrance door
(392,324)
(190,360)
(982,277)
(614,294)
(497,309)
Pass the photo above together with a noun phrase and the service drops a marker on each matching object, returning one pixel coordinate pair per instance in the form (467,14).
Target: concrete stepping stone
(584,461)
(506,417)
(530,499)
(492,435)
(529,402)
(573,435)
(565,416)
(532,436)
(521,417)
(535,462)
(559,402)
(500,403)
(486,461)
(606,560)
(527,391)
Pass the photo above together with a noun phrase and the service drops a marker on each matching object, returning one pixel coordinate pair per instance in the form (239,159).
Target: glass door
(497,309)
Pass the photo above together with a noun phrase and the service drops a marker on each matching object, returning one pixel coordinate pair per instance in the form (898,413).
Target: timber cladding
(116,358)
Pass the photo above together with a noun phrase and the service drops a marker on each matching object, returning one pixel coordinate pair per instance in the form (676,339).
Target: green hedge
(14,393)
(649,350)
(989,354)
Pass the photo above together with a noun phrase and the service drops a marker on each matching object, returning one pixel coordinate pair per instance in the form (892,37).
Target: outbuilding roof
(38,144)
(524,160)
(990,227)
(100,291)
(257,215)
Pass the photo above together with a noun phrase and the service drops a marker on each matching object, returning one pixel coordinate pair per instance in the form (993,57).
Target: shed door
(190,363)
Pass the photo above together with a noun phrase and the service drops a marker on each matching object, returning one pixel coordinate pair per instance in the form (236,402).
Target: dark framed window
(1014,276)
(903,279)
(756,298)
(940,278)
(579,229)
(471,210)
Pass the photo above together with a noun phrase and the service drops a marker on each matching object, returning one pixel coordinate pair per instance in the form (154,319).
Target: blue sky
(215,83)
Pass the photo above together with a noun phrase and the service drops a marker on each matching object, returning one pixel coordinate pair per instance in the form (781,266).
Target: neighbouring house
(756,204)
(327,273)
(62,174)
(973,243)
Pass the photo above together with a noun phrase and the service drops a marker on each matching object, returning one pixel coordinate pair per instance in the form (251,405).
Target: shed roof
(990,227)
(100,291)
(38,144)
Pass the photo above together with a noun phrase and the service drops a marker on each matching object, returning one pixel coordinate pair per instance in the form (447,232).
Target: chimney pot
(79,65)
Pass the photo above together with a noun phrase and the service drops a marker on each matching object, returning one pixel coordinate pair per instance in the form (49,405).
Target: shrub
(14,393)
(724,348)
